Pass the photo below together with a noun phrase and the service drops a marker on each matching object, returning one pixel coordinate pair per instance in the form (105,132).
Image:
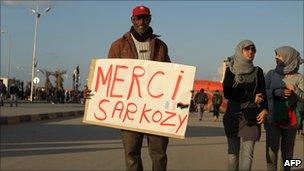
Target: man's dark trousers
(157,146)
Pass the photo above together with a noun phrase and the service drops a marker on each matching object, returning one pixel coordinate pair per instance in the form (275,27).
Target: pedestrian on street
(217,100)
(13,94)
(192,102)
(201,99)
(140,43)
(86,91)
(285,92)
(2,92)
(244,88)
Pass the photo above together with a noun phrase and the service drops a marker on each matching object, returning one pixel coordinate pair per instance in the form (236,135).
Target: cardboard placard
(140,95)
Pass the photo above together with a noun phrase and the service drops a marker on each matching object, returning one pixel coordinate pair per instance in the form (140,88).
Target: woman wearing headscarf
(285,92)
(244,87)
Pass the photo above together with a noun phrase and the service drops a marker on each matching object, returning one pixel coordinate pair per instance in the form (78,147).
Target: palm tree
(59,79)
(48,85)
(59,90)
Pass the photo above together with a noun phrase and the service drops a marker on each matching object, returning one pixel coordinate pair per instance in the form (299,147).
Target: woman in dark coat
(244,87)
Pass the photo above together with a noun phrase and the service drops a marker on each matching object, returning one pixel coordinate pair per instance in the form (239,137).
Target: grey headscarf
(291,60)
(240,66)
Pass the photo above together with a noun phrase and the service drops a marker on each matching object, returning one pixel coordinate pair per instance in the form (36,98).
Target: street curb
(8,120)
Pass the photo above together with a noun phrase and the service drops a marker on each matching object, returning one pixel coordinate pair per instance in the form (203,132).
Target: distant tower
(224,66)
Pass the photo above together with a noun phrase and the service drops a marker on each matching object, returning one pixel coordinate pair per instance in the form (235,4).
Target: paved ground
(38,108)
(28,112)
(68,144)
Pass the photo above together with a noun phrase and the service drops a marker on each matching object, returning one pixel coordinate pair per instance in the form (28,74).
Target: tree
(47,85)
(49,88)
(59,90)
(59,79)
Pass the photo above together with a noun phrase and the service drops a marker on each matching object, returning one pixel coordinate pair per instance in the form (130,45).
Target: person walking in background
(86,92)
(140,43)
(201,99)
(192,102)
(2,92)
(285,92)
(244,88)
(13,94)
(217,100)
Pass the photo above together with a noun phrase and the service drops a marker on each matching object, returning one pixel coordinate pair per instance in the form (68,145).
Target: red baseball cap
(141,10)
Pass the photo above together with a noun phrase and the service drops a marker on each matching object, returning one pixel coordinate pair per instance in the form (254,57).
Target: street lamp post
(9,57)
(37,16)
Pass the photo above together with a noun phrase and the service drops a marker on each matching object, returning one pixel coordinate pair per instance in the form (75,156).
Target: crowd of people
(12,93)
(17,92)
(275,100)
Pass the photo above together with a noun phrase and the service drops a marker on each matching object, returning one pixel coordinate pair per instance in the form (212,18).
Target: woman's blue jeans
(240,154)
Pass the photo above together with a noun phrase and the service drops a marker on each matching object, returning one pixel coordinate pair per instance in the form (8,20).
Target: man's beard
(142,29)
(141,36)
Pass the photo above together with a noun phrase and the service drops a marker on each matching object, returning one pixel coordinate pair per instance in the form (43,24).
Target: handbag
(250,112)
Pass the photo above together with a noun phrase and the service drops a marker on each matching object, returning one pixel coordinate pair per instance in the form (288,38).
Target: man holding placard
(140,43)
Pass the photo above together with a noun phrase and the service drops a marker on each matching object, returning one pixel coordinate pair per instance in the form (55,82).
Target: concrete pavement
(204,148)
(30,112)
(71,145)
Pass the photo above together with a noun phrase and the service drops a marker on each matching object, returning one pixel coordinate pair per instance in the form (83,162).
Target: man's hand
(258,98)
(87,94)
(261,117)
